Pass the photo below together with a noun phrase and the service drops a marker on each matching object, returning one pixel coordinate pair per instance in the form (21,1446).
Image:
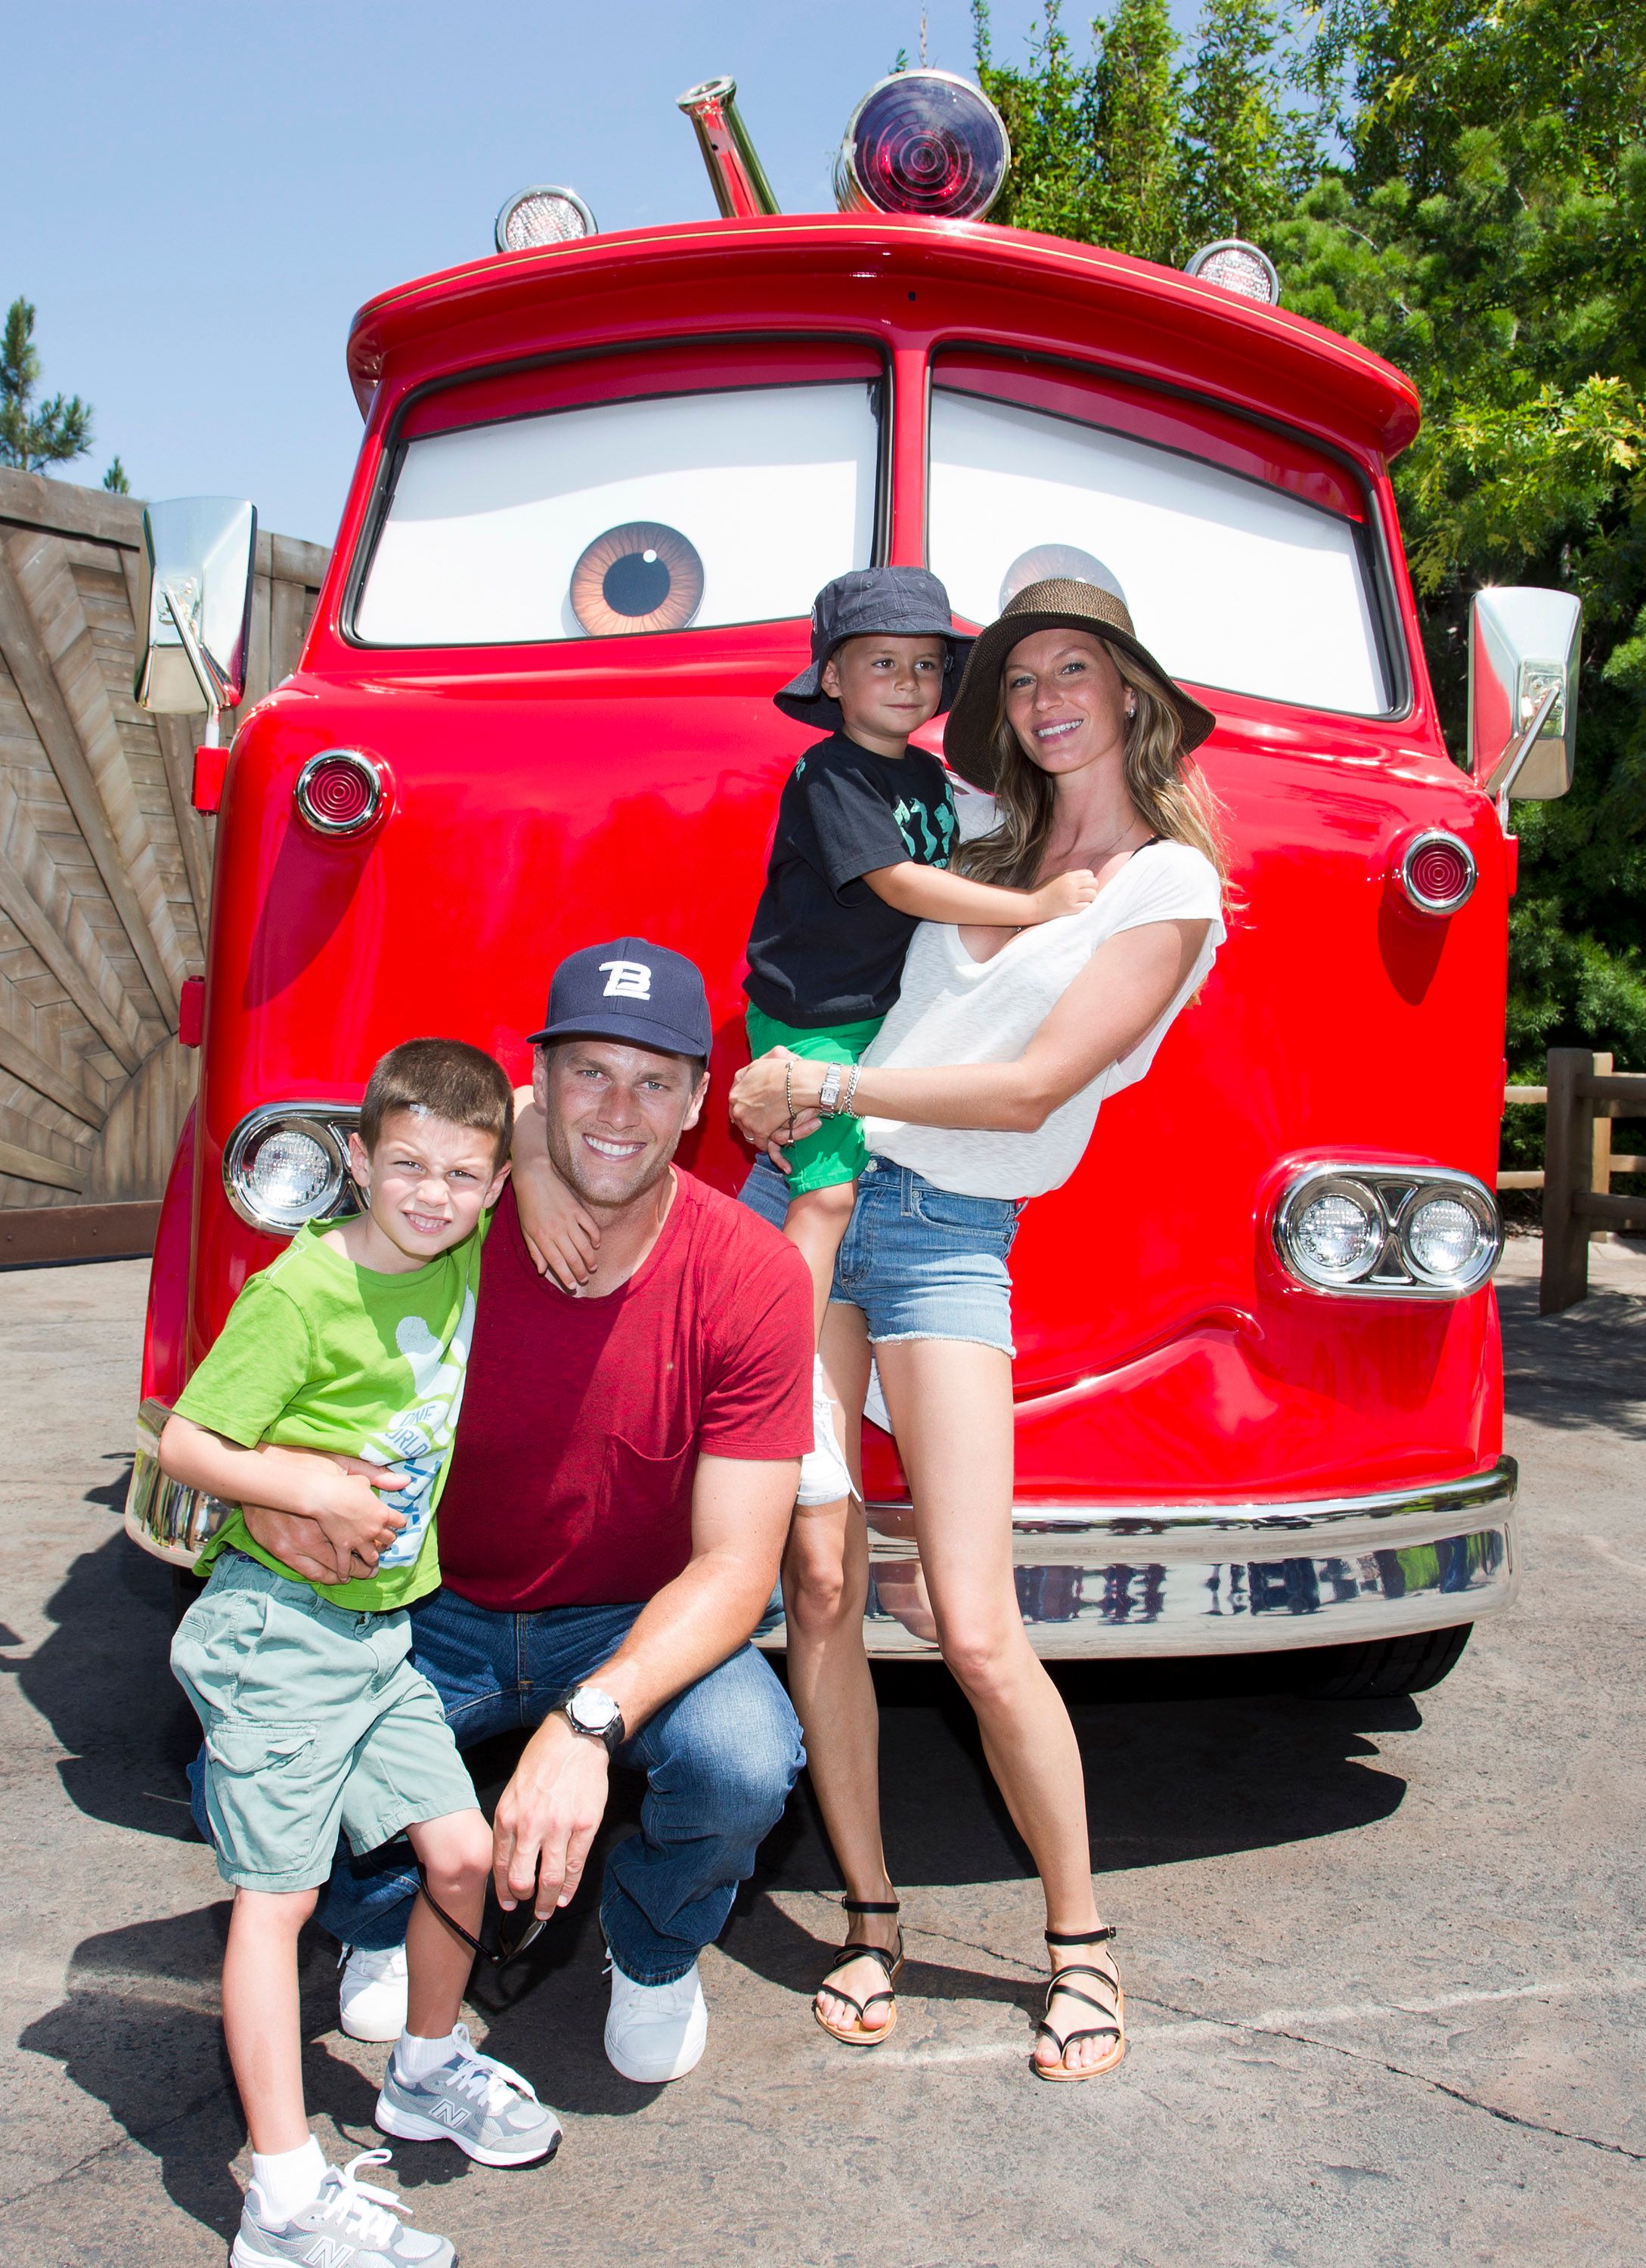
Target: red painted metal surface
(548,796)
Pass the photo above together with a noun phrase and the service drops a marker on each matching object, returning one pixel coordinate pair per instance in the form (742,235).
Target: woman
(981,1092)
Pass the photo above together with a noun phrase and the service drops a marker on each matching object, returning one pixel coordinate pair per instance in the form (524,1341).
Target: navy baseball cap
(872,603)
(631,991)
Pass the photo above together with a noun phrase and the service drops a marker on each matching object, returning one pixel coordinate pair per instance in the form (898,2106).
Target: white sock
(415,2058)
(288,2180)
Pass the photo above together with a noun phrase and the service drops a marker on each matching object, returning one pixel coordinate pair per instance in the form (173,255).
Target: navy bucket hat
(872,603)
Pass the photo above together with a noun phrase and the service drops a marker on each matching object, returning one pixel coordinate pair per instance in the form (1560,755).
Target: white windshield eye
(492,532)
(641,577)
(1231,581)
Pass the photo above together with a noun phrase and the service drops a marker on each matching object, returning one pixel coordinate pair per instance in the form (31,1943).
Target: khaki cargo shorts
(314,1720)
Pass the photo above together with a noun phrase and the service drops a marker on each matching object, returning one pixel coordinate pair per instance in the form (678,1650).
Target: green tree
(116,479)
(1133,147)
(33,439)
(1247,154)
(1486,236)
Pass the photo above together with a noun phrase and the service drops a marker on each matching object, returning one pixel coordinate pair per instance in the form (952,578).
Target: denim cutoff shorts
(921,1261)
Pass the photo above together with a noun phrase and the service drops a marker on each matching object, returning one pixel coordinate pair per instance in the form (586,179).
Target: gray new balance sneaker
(349,2225)
(480,2105)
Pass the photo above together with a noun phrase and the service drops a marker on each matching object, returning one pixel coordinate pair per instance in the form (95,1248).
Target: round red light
(923,141)
(1438,872)
(340,792)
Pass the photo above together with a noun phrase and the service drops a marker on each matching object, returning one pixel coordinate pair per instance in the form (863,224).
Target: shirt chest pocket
(638,1488)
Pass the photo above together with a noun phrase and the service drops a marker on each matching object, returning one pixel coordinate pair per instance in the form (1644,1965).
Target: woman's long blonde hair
(1168,791)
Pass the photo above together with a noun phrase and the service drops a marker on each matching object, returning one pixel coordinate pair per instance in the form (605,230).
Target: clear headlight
(1446,1241)
(1338,1234)
(1386,1231)
(286,1165)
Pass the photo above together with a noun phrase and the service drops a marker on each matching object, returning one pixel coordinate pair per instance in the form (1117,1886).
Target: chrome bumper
(1113,1581)
(167,1519)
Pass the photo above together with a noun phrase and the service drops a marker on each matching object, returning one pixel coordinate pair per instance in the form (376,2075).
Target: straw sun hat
(1060,604)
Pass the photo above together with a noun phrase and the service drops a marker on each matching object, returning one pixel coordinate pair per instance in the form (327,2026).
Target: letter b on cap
(626,980)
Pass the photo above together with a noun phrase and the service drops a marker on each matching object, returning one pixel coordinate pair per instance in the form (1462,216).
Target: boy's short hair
(442,1078)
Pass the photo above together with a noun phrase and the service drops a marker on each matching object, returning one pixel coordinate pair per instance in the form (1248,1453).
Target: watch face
(592,1710)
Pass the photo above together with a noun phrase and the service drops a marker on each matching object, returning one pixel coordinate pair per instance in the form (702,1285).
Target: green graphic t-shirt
(320,1354)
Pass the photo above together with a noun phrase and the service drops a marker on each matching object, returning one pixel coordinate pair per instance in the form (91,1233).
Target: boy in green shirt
(353,1344)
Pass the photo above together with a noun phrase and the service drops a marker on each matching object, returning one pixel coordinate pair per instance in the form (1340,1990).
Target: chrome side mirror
(1523,692)
(200,553)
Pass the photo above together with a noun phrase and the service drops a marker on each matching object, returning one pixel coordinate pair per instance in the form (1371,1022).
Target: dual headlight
(1387,1231)
(288,1163)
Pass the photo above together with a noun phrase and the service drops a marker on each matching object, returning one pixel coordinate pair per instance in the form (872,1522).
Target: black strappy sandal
(860,2036)
(1113,2026)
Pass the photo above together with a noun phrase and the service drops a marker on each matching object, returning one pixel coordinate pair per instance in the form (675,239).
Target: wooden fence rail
(1584,1095)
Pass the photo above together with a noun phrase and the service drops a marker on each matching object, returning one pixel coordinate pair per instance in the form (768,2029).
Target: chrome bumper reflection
(1115,1582)
(1118,1581)
(166,1519)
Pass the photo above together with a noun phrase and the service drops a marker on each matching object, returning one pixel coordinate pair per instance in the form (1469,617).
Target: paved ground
(1384,1969)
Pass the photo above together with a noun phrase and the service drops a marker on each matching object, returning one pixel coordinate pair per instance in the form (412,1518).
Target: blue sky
(204,193)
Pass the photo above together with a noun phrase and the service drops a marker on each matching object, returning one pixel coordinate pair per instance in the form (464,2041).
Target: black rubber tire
(1380,1668)
(186,1588)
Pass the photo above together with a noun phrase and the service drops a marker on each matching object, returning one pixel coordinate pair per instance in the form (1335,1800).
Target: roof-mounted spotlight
(1236,266)
(543,214)
(923,141)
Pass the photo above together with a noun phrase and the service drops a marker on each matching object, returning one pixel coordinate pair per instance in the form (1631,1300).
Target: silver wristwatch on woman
(828,1101)
(592,1712)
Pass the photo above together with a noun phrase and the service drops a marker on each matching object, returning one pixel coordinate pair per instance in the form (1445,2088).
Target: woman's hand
(563,1238)
(765,1092)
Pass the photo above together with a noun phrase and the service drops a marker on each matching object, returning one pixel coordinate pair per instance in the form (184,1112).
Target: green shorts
(314,1720)
(837,1151)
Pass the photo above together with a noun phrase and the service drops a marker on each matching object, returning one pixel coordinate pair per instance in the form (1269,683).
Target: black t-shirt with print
(823,948)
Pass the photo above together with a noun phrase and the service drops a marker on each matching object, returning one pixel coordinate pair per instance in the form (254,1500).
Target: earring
(1131,708)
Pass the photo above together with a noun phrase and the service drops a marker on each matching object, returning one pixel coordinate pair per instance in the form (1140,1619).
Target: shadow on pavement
(1208,1767)
(1577,1369)
(103,1682)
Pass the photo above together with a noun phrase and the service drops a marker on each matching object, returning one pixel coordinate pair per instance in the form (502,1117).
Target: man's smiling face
(614,1115)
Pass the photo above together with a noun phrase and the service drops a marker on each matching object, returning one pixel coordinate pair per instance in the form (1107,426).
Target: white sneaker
(824,1476)
(656,2032)
(371,1998)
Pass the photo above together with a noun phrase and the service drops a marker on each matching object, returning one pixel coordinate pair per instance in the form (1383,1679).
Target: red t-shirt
(583,1419)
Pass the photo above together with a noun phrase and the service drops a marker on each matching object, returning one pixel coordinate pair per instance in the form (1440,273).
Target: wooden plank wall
(105,865)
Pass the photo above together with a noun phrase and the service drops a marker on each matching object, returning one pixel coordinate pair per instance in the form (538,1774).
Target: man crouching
(620,1488)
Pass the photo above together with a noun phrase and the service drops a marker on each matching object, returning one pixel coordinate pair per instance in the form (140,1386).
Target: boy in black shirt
(866,826)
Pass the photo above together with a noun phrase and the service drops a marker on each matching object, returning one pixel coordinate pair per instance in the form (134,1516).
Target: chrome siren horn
(735,173)
(923,141)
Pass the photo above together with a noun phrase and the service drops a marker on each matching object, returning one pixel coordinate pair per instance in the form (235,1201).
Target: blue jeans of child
(720,1760)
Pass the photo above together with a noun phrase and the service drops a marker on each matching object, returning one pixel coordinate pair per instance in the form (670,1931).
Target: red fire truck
(1259,1382)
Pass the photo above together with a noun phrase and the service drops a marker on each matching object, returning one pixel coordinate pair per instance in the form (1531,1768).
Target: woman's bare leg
(825,1586)
(951,1402)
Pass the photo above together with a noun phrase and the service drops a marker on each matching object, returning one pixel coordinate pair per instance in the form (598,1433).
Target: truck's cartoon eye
(567,523)
(644,576)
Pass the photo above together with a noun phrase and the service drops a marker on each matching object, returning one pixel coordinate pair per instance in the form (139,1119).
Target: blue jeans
(720,1760)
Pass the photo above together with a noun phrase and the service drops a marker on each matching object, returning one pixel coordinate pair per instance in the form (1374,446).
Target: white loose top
(954,1010)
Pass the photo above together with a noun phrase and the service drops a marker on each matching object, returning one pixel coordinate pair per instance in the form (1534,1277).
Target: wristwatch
(828,1101)
(596,1715)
